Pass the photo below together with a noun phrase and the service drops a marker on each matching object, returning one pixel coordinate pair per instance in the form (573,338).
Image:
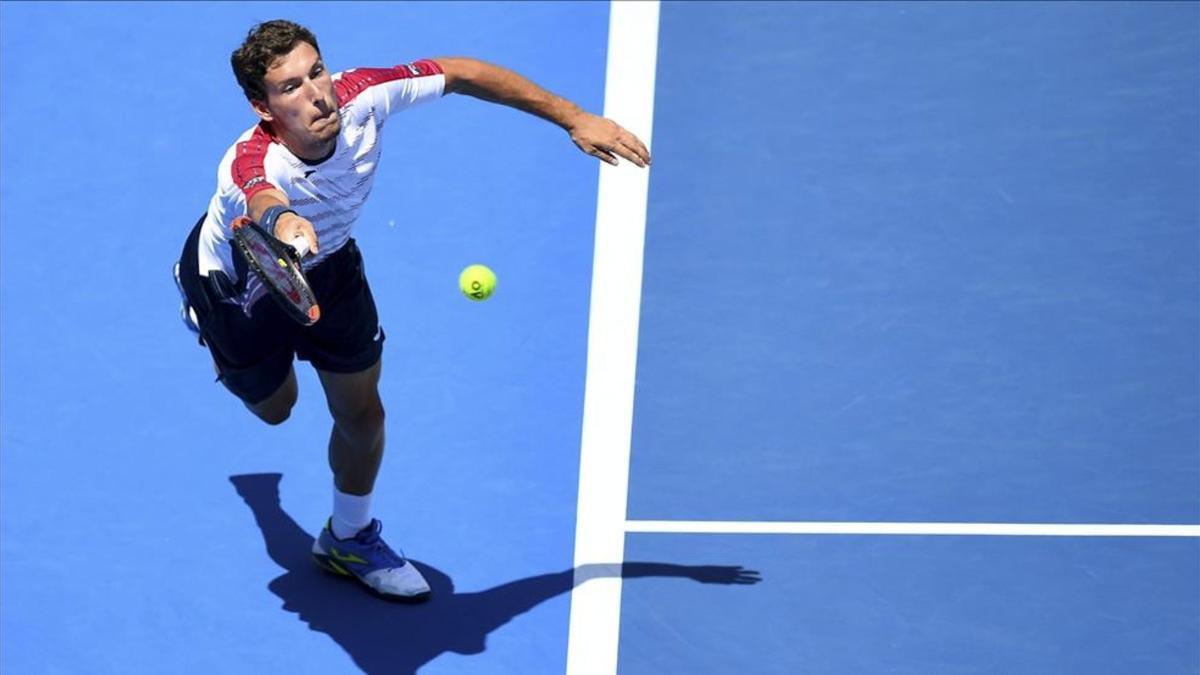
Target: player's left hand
(605,139)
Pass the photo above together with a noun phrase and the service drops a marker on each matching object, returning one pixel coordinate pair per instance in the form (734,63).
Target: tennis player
(305,170)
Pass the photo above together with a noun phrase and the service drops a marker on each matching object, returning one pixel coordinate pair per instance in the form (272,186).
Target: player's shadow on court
(384,637)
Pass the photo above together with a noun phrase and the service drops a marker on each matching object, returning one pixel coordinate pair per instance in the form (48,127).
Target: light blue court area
(126,547)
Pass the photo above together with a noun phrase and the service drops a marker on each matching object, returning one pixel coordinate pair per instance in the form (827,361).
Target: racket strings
(275,271)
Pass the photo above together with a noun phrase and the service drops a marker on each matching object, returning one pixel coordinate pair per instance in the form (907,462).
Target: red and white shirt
(329,194)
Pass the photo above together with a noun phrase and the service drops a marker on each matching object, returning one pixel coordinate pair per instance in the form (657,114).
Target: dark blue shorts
(254,354)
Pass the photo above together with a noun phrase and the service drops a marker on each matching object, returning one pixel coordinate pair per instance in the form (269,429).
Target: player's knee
(365,420)
(277,407)
(370,417)
(273,417)
(275,410)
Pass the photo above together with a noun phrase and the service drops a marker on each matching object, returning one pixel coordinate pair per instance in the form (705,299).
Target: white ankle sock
(351,513)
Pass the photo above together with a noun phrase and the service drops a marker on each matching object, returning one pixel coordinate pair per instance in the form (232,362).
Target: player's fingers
(302,228)
(286,225)
(629,153)
(637,146)
(603,154)
(626,138)
(311,234)
(290,225)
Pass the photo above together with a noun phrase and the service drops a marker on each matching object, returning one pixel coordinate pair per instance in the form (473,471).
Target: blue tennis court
(917,348)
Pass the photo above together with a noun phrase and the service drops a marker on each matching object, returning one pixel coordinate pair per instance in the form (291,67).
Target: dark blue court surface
(919,605)
(923,262)
(904,262)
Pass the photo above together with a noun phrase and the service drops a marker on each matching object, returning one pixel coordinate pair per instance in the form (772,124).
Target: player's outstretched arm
(594,135)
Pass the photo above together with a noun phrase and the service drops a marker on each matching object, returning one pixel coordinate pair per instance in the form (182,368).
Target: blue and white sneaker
(367,558)
(185,309)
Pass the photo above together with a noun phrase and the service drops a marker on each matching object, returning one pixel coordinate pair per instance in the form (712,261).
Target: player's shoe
(185,309)
(367,558)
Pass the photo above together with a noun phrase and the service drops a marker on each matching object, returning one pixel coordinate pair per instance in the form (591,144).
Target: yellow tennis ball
(477,282)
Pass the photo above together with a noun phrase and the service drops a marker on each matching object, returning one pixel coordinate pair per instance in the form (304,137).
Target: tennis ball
(477,282)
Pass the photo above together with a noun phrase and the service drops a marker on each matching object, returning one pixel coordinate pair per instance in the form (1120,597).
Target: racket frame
(287,259)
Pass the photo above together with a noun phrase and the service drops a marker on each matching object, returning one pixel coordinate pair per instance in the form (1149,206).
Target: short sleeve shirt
(330,194)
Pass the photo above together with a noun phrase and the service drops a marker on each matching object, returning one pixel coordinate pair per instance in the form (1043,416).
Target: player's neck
(309,153)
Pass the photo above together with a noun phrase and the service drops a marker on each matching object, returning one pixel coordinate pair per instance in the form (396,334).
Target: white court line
(962,529)
(612,345)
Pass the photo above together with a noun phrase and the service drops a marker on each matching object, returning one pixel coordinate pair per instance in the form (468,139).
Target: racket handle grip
(300,243)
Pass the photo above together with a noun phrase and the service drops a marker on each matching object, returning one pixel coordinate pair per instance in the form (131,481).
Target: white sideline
(612,344)
(955,529)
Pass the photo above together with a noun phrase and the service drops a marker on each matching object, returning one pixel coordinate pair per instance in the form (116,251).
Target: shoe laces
(369,537)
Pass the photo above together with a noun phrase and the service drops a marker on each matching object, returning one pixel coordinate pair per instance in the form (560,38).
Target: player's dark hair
(266,42)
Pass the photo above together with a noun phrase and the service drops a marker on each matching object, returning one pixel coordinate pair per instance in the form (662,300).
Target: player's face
(301,104)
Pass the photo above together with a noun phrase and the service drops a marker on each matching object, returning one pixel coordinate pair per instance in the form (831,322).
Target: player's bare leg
(277,407)
(356,442)
(355,452)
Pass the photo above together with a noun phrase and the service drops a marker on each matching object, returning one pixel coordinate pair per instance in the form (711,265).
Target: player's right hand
(604,139)
(289,226)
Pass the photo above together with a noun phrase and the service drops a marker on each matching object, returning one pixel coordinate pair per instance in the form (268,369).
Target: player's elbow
(459,72)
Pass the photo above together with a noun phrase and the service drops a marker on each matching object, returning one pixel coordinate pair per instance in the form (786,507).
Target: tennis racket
(277,266)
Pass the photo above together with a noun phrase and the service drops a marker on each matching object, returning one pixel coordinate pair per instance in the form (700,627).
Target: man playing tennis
(306,170)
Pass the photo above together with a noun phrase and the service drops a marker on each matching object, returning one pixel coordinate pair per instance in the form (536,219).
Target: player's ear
(261,109)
